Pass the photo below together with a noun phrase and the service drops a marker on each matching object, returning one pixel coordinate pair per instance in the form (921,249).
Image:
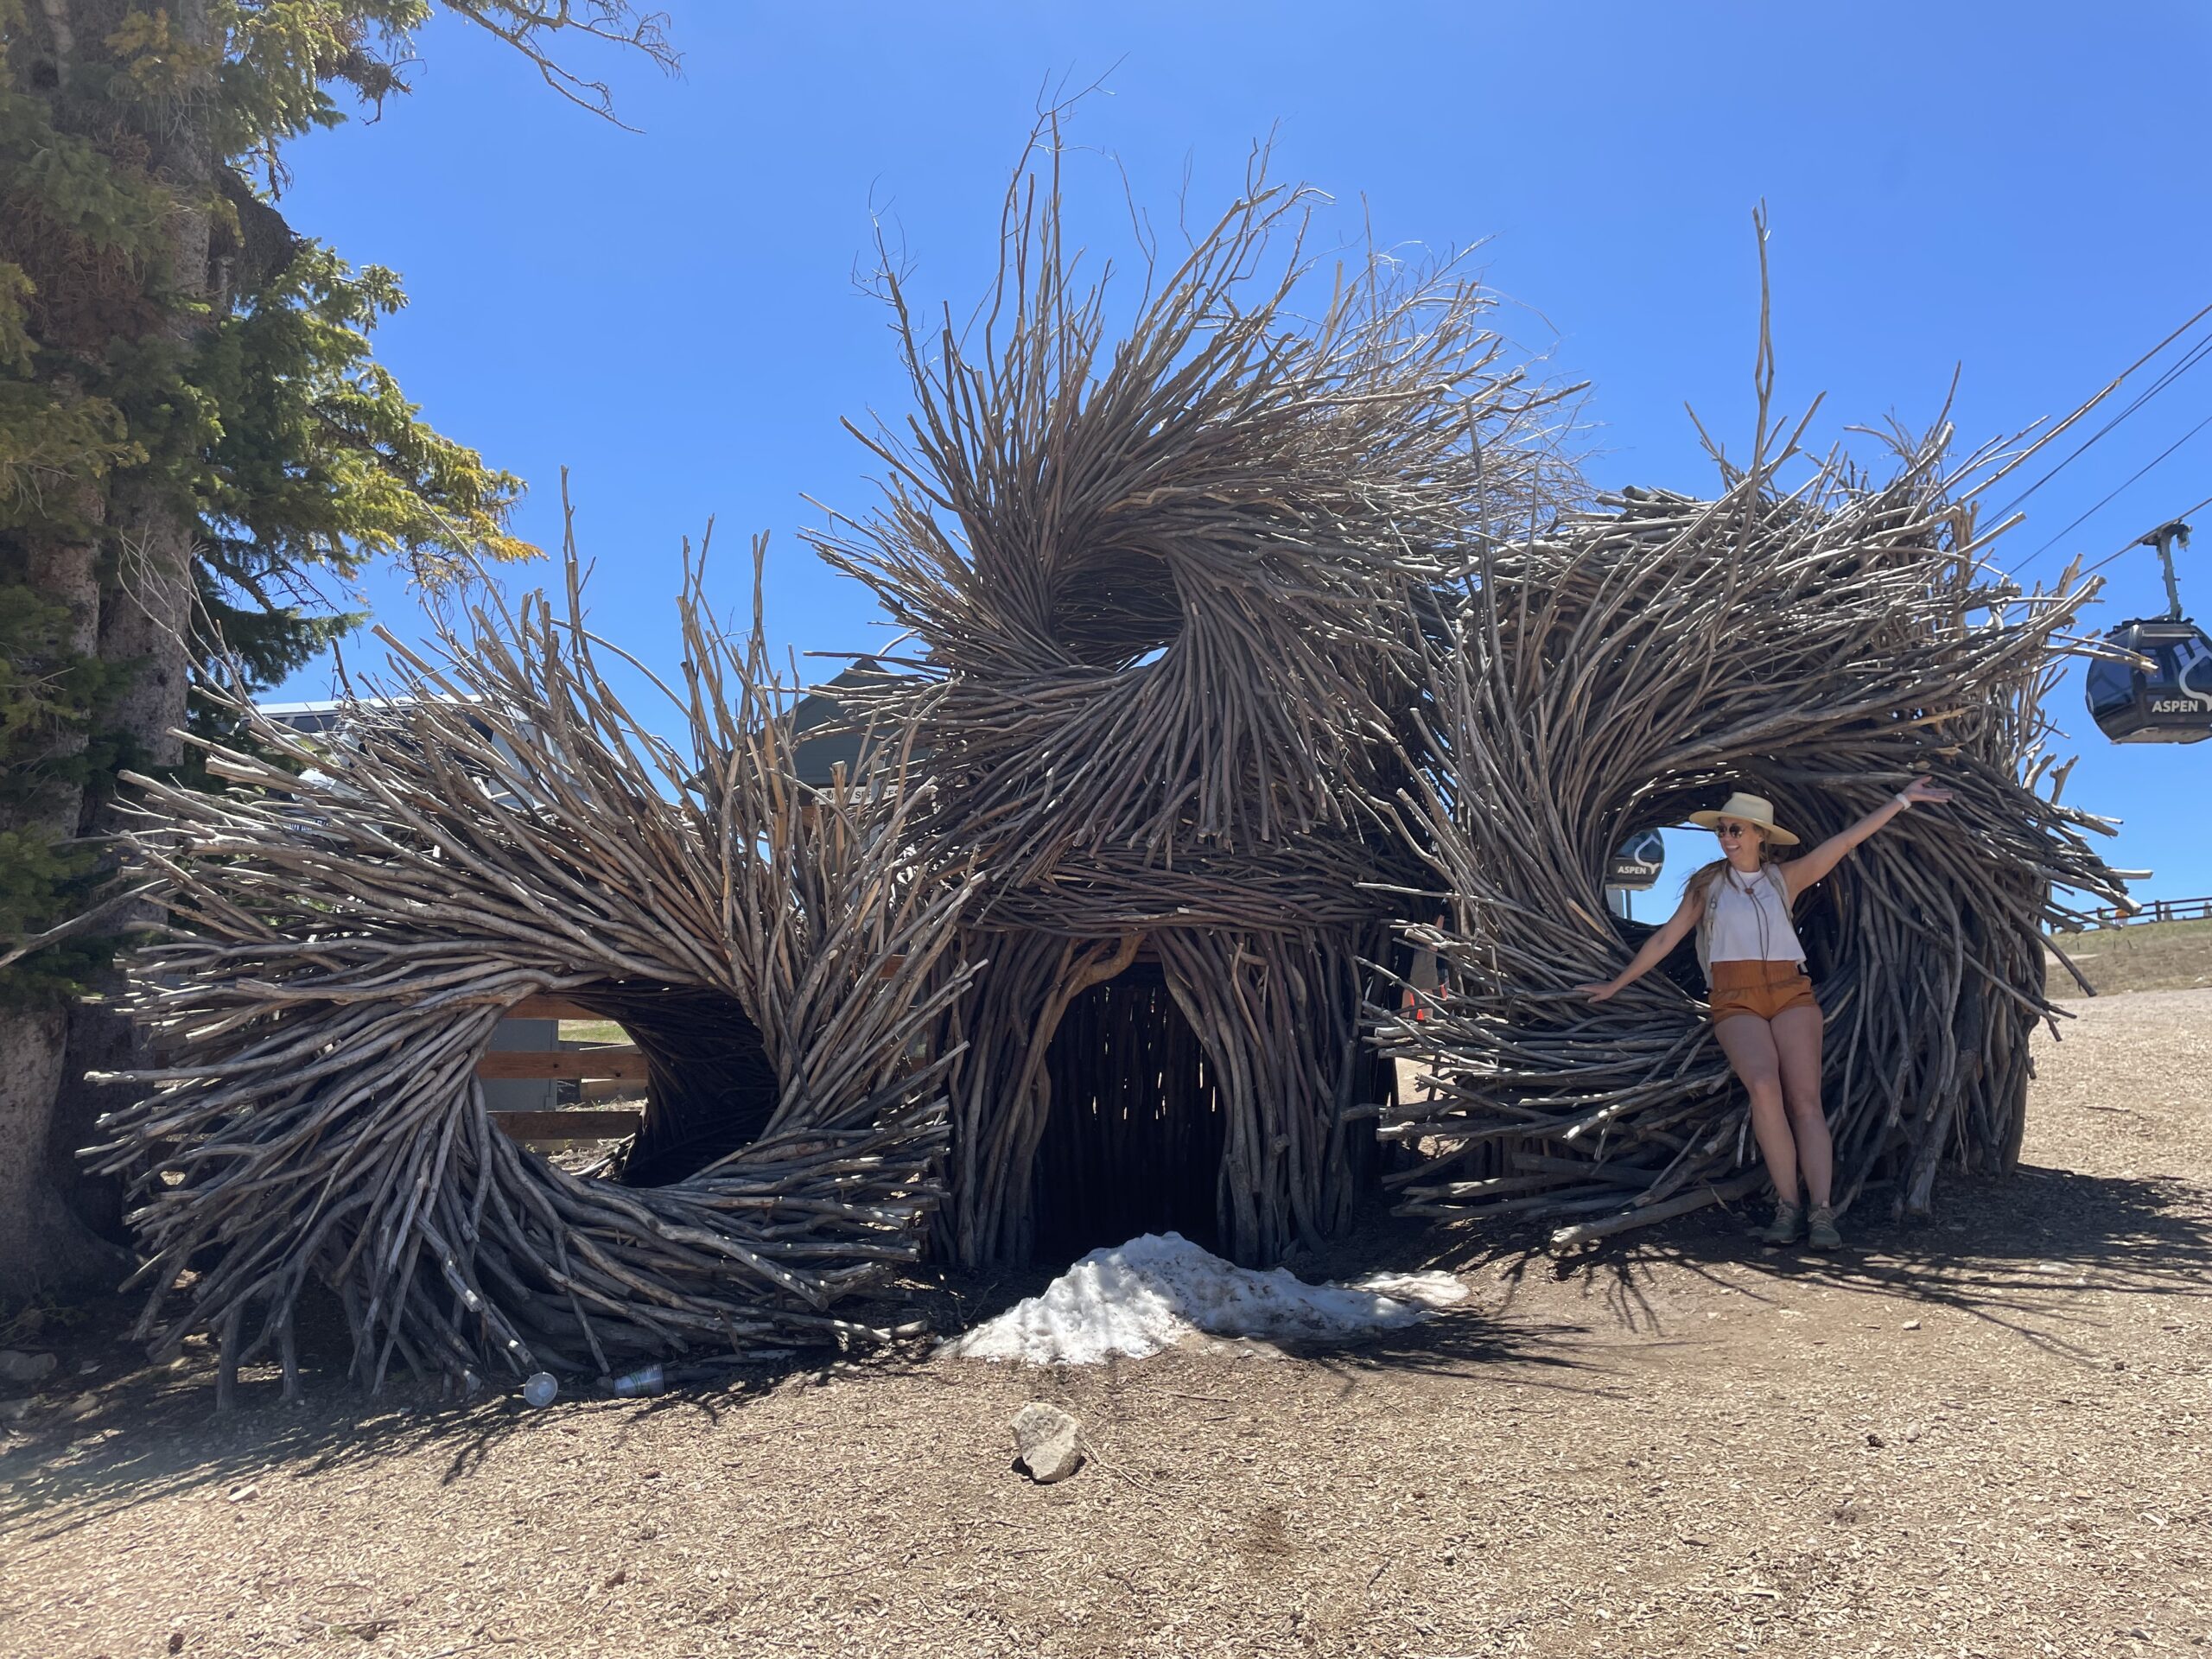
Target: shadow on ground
(2022,1253)
(140,1431)
(2016,1252)
(151,1431)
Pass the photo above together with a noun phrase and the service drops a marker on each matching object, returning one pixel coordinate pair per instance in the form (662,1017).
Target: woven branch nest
(1168,595)
(1819,647)
(496,826)
(1237,643)
(1170,598)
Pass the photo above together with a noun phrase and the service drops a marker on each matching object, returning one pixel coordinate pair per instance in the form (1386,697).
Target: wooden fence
(2152,909)
(613,1062)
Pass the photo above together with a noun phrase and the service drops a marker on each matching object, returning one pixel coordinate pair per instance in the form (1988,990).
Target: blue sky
(672,313)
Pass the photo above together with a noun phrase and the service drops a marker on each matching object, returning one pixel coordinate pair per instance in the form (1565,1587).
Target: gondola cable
(2022,458)
(2190,360)
(2184,516)
(2115,492)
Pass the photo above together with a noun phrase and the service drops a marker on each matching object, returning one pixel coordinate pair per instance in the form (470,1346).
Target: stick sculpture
(498,826)
(1239,644)
(1820,646)
(1170,599)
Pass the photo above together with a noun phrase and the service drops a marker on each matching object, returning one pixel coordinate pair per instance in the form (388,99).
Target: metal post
(2163,538)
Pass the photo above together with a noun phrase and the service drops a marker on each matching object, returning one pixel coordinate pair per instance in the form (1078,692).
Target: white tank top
(1750,923)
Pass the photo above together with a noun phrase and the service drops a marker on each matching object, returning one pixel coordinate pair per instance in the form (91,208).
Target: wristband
(1903,801)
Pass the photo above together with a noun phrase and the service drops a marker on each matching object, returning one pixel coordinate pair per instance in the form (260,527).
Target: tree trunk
(44,1247)
(145,613)
(139,615)
(45,1250)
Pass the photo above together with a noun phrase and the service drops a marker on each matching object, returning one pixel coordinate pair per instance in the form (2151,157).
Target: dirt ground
(1992,1435)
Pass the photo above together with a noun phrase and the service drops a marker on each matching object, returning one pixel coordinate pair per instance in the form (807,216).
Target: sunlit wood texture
(504,829)
(1167,549)
(1166,584)
(1818,646)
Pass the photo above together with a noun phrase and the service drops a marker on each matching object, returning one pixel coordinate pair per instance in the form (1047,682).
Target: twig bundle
(500,826)
(1170,598)
(1168,593)
(1820,646)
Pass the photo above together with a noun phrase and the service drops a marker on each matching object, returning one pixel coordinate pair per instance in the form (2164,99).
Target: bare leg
(1797,1040)
(1749,1047)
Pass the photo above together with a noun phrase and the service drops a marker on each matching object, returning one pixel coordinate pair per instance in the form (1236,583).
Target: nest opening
(1134,1138)
(1118,611)
(710,1088)
(1813,914)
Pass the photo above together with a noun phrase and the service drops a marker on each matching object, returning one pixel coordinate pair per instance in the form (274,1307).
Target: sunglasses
(1731,830)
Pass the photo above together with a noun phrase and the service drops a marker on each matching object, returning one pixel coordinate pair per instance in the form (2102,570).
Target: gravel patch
(1985,1436)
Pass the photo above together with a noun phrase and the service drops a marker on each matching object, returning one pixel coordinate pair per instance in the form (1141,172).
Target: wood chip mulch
(1987,1435)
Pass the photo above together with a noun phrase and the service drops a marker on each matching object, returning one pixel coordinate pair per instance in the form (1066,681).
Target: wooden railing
(2152,909)
(613,1062)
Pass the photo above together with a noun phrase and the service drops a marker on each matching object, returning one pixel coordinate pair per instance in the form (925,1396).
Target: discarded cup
(540,1388)
(647,1379)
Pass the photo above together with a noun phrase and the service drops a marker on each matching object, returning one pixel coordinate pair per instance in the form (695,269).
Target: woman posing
(1764,1012)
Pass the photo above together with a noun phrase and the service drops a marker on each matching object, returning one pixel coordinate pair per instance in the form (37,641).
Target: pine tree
(193,427)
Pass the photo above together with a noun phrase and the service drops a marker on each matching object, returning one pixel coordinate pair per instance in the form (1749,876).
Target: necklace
(1753,890)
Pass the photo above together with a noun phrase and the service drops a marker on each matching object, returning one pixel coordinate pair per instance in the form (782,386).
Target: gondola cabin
(2166,697)
(1634,868)
(1636,863)
(2163,695)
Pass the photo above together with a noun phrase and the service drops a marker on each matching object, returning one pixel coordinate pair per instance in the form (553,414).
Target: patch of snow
(1434,1289)
(1138,1298)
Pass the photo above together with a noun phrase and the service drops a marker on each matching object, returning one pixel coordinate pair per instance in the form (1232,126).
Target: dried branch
(496,824)
(1170,590)
(531,26)
(1820,646)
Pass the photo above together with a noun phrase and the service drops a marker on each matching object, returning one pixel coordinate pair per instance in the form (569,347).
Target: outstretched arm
(1654,952)
(1803,872)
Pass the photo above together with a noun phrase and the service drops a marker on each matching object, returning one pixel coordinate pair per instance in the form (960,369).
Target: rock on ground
(1047,1443)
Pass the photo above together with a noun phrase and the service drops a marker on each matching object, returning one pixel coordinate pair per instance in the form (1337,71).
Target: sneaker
(1820,1229)
(1787,1219)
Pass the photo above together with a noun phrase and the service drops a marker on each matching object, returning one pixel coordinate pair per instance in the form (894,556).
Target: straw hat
(1751,809)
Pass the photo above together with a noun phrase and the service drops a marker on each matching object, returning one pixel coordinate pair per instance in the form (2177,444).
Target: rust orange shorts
(1765,989)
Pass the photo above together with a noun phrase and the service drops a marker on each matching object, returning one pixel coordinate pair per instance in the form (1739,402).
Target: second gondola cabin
(2161,690)
(2166,696)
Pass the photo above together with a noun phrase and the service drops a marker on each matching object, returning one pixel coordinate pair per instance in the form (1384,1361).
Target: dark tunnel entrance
(709,1088)
(1134,1136)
